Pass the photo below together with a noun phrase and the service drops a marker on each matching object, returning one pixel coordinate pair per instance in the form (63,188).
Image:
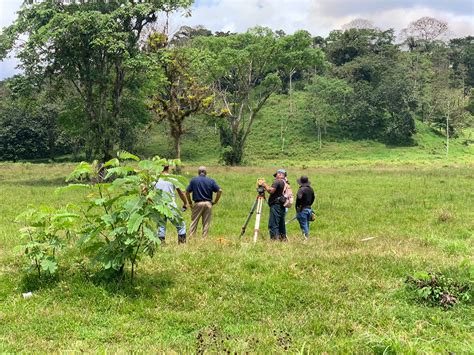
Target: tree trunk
(284,127)
(447,132)
(319,135)
(177,146)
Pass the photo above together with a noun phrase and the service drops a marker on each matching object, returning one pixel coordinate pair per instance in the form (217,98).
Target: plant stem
(135,256)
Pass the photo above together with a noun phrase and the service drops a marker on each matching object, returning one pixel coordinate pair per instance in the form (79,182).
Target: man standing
(202,188)
(169,188)
(276,201)
(304,201)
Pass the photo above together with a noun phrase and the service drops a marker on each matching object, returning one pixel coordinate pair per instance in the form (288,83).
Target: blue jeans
(304,217)
(276,222)
(180,227)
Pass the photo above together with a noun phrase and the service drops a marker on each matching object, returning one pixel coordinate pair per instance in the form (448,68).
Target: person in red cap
(304,201)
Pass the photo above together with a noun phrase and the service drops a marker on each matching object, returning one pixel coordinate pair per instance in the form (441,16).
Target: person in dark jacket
(276,222)
(304,201)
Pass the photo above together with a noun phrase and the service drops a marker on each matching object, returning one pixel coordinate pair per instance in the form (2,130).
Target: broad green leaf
(81,170)
(134,204)
(59,216)
(112,162)
(134,222)
(72,187)
(49,265)
(146,165)
(151,235)
(119,171)
(123,155)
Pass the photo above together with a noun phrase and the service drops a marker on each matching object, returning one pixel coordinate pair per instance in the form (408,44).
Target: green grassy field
(335,293)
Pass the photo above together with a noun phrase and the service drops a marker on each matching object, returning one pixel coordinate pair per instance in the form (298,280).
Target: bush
(117,218)
(438,289)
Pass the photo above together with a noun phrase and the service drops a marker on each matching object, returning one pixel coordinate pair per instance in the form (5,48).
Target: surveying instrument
(257,205)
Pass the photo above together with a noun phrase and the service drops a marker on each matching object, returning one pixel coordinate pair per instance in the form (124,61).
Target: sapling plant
(122,209)
(45,232)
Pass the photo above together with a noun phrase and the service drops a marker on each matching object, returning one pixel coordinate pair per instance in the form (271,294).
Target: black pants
(276,223)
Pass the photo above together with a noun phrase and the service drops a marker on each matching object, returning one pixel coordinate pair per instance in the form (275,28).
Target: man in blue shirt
(202,189)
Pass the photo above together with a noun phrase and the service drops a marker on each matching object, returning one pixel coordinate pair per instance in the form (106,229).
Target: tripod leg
(252,210)
(257,219)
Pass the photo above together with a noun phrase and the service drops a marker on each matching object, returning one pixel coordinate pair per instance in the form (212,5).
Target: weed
(438,289)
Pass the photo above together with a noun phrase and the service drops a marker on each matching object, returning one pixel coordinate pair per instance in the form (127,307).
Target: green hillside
(201,142)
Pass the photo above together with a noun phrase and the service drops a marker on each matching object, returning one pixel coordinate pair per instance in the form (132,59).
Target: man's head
(202,170)
(166,169)
(280,174)
(303,181)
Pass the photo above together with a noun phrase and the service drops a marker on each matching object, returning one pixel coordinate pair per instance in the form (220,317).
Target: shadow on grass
(59,181)
(145,285)
(30,282)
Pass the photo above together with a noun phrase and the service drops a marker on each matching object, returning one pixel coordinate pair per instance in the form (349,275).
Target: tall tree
(94,47)
(246,72)
(181,94)
(245,75)
(328,102)
(359,24)
(381,104)
(298,55)
(425,31)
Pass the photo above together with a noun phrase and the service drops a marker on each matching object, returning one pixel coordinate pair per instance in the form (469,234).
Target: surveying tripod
(257,205)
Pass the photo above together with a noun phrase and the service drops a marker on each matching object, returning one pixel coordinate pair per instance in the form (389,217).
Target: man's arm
(268,188)
(218,196)
(188,197)
(299,197)
(183,198)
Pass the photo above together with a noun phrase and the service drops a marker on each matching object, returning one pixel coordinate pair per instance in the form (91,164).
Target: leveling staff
(202,189)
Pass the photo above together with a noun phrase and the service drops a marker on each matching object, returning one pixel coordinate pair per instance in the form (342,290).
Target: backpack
(288,195)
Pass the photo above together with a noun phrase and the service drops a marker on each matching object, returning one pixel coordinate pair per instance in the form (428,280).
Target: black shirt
(304,197)
(279,186)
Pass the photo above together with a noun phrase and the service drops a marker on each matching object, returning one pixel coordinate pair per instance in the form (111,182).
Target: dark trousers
(276,222)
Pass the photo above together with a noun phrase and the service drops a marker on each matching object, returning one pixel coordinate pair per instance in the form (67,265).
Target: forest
(98,77)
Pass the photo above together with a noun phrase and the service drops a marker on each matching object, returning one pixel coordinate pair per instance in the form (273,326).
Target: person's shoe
(283,238)
(182,239)
(306,237)
(274,238)
(162,241)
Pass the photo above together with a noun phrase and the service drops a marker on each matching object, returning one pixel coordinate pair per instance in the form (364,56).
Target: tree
(247,70)
(328,102)
(181,95)
(344,46)
(298,55)
(94,47)
(462,59)
(29,126)
(359,24)
(381,104)
(423,32)
(244,75)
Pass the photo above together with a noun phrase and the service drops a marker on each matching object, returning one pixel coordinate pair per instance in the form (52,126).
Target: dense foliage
(114,225)
(114,74)
(93,49)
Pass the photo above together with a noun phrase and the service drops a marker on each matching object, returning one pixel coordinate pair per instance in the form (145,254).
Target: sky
(317,16)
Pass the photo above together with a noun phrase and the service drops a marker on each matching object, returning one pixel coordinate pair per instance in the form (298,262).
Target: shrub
(438,289)
(45,232)
(117,217)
